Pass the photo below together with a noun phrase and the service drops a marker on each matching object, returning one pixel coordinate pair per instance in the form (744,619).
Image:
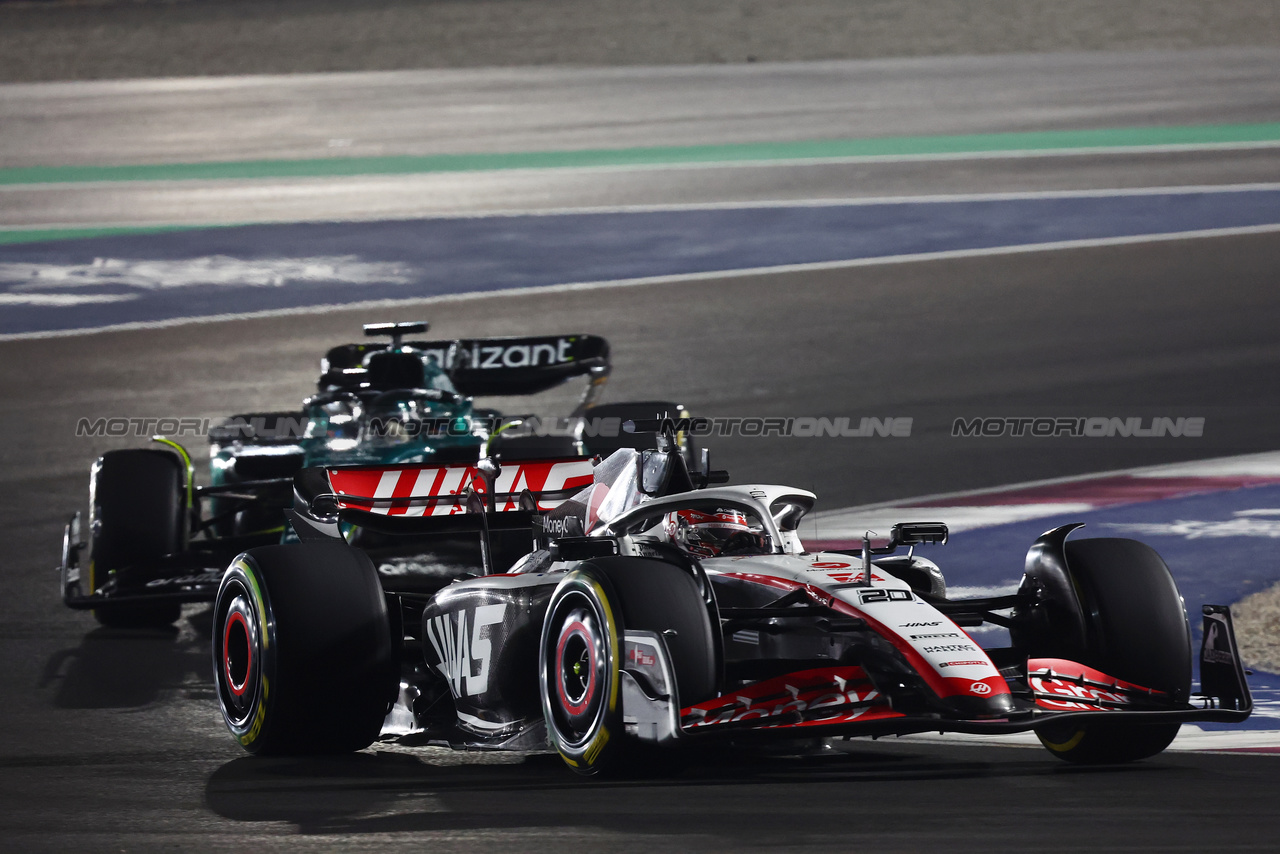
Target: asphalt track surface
(495,111)
(526,109)
(112,740)
(79,40)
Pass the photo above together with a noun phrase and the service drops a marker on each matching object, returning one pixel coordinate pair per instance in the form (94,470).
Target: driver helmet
(705,533)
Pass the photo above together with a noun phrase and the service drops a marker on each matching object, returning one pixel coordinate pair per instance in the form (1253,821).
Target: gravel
(1257,622)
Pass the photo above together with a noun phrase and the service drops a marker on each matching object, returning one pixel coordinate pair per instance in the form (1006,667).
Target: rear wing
(511,366)
(433,490)
(435,500)
(497,366)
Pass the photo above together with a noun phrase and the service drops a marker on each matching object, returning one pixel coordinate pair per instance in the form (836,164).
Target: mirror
(918,533)
(655,470)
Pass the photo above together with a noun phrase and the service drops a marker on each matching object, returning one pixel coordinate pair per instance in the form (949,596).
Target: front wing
(192,576)
(842,701)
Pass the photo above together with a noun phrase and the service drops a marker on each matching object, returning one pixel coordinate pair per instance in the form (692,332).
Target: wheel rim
(577,669)
(575,655)
(237,653)
(238,657)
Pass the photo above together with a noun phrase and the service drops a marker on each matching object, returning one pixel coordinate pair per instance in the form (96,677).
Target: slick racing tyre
(1138,633)
(137,514)
(302,649)
(581,654)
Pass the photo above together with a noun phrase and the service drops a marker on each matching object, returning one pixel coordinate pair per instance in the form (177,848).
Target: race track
(112,740)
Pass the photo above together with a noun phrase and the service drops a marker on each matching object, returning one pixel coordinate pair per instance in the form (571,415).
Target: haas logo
(460,652)
(980,688)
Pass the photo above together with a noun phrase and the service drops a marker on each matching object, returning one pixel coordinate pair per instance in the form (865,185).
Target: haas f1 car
(656,608)
(157,539)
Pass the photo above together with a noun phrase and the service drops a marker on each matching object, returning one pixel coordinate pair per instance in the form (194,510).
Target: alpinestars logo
(1217,650)
(464,656)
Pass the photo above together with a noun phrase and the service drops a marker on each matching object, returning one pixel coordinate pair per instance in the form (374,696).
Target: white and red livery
(615,629)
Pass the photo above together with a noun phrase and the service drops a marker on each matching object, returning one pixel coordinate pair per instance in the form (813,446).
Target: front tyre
(580,655)
(1137,632)
(137,515)
(1106,742)
(302,652)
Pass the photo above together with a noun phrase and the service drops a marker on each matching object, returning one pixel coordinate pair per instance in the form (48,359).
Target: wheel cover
(237,652)
(577,682)
(577,670)
(238,656)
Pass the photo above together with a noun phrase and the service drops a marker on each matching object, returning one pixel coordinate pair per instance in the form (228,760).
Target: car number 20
(875,594)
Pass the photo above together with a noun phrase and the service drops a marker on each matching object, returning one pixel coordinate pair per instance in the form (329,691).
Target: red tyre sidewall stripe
(236,616)
(576,628)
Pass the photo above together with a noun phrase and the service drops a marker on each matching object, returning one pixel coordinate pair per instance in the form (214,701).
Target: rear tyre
(137,515)
(581,655)
(302,650)
(1137,632)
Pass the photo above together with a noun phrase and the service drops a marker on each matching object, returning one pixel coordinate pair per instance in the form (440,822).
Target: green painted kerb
(922,146)
(37,235)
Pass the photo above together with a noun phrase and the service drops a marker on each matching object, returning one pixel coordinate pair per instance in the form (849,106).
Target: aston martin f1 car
(656,608)
(157,539)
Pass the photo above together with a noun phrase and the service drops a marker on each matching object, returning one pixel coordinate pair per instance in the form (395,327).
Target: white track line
(714,275)
(671,207)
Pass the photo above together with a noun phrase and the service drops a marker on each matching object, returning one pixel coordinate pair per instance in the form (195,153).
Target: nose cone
(978,698)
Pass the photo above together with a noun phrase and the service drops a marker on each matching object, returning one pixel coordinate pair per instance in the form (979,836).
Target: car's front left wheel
(581,654)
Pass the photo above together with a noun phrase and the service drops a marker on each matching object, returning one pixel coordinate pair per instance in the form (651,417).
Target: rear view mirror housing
(654,470)
(919,533)
(586,548)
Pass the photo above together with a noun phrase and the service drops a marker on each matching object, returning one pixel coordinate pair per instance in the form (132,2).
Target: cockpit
(651,496)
